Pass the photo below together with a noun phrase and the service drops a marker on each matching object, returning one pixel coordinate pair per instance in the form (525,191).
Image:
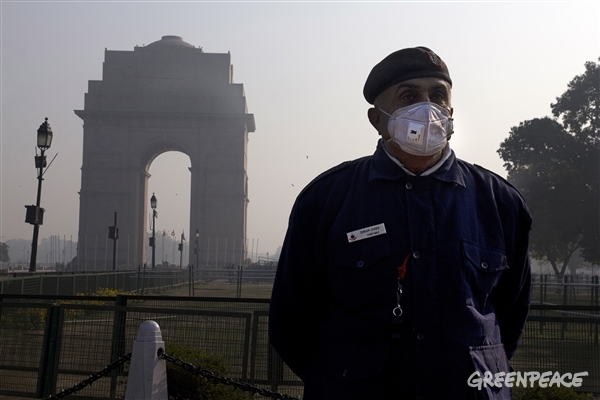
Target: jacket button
(484,265)
(344,373)
(416,254)
(360,264)
(408,185)
(420,336)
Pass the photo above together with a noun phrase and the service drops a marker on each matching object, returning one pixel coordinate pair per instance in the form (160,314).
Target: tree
(4,252)
(579,106)
(555,164)
(579,109)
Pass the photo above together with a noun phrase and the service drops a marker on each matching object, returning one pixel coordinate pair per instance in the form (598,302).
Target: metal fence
(563,339)
(54,342)
(73,283)
(142,280)
(582,290)
(46,347)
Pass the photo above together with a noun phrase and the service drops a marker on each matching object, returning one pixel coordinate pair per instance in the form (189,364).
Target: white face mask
(421,129)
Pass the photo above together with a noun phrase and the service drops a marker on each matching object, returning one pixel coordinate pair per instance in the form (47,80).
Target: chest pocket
(356,272)
(483,268)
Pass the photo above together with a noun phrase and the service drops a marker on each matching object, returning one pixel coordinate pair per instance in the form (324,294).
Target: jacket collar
(384,168)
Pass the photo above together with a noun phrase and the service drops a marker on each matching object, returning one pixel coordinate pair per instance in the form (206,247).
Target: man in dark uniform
(405,272)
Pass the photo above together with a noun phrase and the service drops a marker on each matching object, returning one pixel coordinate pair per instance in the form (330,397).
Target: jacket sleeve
(512,297)
(297,298)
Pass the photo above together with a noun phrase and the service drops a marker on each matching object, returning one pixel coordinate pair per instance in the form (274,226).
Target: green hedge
(187,385)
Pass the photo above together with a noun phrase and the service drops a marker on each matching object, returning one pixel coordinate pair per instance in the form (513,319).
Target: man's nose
(423,97)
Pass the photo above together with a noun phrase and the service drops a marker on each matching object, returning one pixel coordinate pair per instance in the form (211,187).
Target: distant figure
(406,272)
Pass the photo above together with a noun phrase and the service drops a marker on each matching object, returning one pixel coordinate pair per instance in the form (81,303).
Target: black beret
(402,65)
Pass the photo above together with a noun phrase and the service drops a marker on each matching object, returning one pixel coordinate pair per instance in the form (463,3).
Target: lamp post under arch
(197,250)
(153,204)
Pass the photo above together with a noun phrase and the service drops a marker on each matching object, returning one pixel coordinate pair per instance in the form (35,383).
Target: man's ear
(374,117)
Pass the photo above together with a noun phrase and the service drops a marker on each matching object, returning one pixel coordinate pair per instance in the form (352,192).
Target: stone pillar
(147,378)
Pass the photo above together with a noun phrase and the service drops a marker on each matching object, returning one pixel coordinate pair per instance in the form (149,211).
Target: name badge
(364,233)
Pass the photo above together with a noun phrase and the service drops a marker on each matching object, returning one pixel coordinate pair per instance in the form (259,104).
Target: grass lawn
(222,288)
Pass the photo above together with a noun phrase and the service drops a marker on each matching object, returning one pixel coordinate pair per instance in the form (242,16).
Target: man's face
(403,94)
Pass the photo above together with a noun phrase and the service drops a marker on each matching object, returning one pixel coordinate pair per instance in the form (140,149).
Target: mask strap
(391,139)
(389,115)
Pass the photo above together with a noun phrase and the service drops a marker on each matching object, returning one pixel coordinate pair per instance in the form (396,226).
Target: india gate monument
(165,96)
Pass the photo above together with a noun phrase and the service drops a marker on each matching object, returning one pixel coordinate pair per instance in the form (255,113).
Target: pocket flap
(484,259)
(362,254)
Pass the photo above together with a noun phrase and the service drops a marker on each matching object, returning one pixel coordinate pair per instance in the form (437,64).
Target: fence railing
(53,342)
(572,290)
(583,290)
(563,339)
(48,346)
(141,280)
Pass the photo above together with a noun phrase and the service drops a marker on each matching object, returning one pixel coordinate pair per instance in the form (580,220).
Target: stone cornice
(164,119)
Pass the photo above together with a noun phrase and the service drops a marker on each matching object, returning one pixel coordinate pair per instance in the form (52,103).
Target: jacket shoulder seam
(325,174)
(502,179)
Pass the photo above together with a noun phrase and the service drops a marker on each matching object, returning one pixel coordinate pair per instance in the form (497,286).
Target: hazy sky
(303,66)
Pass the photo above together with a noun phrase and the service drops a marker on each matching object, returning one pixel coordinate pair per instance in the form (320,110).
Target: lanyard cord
(397,311)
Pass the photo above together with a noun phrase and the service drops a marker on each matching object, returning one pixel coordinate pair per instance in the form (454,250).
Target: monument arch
(166,96)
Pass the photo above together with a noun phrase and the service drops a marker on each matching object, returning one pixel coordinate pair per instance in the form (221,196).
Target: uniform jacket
(466,293)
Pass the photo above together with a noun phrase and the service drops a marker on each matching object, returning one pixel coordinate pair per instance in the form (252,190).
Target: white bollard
(147,378)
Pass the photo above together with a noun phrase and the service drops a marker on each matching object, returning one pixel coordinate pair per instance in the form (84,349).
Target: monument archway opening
(167,96)
(170,181)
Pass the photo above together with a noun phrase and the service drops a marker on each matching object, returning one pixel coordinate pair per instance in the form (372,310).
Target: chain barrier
(92,378)
(246,387)
(226,381)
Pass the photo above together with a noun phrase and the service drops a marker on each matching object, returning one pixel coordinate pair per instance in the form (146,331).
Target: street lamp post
(197,250)
(153,204)
(181,250)
(113,233)
(35,214)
